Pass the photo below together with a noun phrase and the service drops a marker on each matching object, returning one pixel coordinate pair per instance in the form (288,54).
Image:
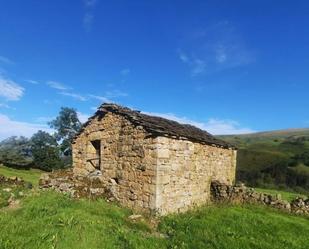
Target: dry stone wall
(240,194)
(65,181)
(14,180)
(185,171)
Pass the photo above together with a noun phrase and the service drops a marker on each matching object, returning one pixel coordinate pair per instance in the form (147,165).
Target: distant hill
(266,136)
(277,158)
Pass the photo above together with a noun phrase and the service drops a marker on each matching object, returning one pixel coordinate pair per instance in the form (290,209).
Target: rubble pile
(14,180)
(91,186)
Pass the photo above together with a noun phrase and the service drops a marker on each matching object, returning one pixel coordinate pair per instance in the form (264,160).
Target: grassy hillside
(275,137)
(50,220)
(273,159)
(31,175)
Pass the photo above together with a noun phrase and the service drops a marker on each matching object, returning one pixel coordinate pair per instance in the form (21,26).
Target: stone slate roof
(157,126)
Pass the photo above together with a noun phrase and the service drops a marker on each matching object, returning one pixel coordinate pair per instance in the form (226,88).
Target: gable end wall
(128,158)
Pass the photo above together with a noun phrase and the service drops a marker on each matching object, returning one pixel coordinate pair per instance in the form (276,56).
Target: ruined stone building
(156,164)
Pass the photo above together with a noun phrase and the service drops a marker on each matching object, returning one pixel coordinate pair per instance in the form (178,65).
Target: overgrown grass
(50,220)
(31,175)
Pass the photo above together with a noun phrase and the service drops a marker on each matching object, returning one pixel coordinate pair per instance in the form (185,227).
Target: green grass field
(50,220)
(31,175)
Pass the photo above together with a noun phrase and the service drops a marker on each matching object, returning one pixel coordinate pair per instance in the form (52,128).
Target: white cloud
(2,105)
(34,82)
(221,55)
(225,127)
(89,15)
(197,66)
(87,21)
(213,126)
(214,48)
(115,94)
(10,90)
(5,60)
(82,117)
(125,71)
(9,127)
(90,3)
(57,85)
(183,57)
(74,96)
(108,96)
(101,98)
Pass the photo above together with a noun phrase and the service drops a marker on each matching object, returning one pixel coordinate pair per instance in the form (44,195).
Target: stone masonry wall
(160,175)
(128,160)
(240,194)
(185,171)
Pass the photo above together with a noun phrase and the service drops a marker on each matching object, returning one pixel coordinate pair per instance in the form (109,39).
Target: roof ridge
(159,126)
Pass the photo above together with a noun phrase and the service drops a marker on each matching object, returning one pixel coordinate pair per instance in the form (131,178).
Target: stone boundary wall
(65,181)
(14,180)
(241,194)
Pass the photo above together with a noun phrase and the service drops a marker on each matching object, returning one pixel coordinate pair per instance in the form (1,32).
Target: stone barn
(154,164)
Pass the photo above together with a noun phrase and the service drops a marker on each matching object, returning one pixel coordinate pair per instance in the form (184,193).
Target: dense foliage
(42,150)
(274,160)
(45,151)
(16,152)
(66,125)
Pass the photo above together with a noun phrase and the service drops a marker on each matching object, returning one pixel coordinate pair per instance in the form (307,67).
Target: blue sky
(225,66)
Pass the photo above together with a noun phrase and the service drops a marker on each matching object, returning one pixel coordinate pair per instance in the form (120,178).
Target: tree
(45,151)
(302,158)
(66,125)
(15,152)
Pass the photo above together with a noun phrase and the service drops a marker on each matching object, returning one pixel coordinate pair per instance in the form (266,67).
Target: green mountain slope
(269,137)
(273,159)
